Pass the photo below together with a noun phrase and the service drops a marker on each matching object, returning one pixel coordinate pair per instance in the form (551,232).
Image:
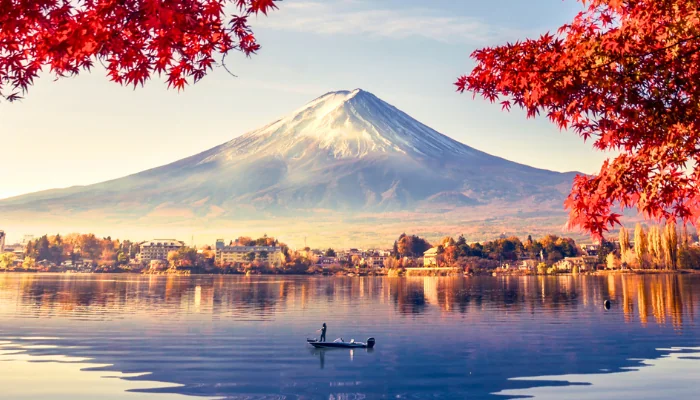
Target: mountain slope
(344,151)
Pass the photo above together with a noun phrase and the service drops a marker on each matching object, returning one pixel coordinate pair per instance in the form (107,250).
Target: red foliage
(625,74)
(132,38)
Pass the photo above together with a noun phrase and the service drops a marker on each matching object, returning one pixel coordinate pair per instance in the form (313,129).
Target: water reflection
(662,299)
(672,376)
(65,377)
(351,353)
(244,337)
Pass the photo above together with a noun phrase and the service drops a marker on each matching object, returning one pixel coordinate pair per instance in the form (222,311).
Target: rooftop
(163,242)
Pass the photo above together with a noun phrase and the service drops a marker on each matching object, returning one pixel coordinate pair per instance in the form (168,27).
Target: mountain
(346,151)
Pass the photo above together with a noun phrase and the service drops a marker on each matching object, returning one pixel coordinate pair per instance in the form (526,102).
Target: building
(584,263)
(326,261)
(244,254)
(2,241)
(355,252)
(430,257)
(590,249)
(376,260)
(528,264)
(17,249)
(158,249)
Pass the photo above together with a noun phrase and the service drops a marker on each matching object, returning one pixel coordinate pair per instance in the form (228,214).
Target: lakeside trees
(640,245)
(6,260)
(655,247)
(411,246)
(661,247)
(184,257)
(626,75)
(132,39)
(57,249)
(28,263)
(485,255)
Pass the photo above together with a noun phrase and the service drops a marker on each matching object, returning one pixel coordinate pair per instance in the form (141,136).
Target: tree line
(657,247)
(73,247)
(451,252)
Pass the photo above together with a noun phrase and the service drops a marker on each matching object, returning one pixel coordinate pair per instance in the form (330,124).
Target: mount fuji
(346,151)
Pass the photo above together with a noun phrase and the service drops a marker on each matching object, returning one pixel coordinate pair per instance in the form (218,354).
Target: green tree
(250,256)
(183,257)
(605,248)
(122,258)
(330,253)
(43,249)
(689,258)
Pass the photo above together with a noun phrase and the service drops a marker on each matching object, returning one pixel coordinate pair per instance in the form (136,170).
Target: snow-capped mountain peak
(343,124)
(346,150)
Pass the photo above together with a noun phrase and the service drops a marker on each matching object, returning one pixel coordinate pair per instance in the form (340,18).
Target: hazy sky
(408,52)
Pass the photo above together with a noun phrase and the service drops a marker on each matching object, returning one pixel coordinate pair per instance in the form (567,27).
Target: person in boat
(323,333)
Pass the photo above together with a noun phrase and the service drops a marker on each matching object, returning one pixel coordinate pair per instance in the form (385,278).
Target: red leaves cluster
(133,38)
(625,74)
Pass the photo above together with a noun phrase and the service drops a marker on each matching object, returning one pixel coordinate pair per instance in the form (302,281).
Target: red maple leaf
(627,75)
(133,39)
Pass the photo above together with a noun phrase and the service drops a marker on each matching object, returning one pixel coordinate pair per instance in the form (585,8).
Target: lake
(233,337)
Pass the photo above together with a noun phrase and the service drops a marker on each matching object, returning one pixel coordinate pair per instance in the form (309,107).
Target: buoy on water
(606,304)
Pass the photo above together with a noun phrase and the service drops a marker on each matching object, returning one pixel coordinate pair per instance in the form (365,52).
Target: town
(653,248)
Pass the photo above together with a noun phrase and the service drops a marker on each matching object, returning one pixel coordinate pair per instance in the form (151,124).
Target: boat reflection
(321,353)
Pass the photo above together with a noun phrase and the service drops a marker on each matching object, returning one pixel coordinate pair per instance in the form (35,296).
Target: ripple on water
(671,376)
(60,377)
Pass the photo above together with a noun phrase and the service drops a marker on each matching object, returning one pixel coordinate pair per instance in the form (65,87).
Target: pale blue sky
(86,129)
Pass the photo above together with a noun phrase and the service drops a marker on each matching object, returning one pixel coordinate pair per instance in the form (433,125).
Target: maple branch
(223,64)
(595,67)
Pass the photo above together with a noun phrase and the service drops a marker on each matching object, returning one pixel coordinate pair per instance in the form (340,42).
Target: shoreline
(390,274)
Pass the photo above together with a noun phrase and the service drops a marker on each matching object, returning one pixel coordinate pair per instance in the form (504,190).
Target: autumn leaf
(625,75)
(133,39)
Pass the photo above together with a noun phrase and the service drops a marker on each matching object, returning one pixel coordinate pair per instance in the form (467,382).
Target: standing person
(323,333)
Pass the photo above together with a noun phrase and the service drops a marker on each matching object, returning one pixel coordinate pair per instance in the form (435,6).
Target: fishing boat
(340,343)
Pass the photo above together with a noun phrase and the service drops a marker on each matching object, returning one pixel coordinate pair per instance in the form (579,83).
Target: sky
(85,129)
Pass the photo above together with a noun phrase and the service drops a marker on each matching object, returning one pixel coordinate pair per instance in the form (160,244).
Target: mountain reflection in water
(244,337)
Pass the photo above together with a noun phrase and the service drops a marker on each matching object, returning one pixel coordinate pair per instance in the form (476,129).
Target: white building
(376,260)
(430,257)
(242,254)
(158,249)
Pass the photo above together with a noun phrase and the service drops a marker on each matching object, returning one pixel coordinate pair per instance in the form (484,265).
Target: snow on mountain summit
(343,124)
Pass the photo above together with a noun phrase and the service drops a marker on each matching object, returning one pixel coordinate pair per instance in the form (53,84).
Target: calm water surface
(156,337)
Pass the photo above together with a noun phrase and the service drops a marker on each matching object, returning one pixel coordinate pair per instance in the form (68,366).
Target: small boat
(340,343)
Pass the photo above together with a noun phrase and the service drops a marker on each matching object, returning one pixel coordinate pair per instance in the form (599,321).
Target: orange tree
(134,39)
(626,75)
